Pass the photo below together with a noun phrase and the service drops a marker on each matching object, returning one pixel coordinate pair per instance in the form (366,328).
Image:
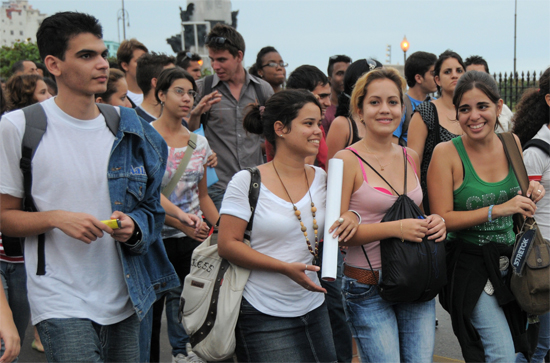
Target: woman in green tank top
(472,186)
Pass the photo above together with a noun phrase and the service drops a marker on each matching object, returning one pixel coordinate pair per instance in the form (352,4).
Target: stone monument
(201,11)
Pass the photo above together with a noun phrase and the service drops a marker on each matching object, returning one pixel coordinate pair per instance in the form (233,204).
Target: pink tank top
(373,204)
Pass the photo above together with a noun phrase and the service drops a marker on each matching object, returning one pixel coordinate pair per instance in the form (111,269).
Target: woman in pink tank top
(384,331)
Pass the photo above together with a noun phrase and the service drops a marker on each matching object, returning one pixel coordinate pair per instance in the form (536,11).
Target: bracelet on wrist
(357,214)
(490,214)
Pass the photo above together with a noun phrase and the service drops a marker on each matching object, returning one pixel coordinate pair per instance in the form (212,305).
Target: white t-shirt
(505,119)
(69,173)
(276,232)
(186,192)
(538,163)
(137,98)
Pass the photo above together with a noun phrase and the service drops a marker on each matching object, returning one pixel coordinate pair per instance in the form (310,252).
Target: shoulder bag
(213,290)
(530,281)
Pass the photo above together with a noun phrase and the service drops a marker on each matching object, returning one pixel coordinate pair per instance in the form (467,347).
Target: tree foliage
(19,51)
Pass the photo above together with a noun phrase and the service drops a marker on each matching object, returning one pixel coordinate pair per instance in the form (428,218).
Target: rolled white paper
(332,213)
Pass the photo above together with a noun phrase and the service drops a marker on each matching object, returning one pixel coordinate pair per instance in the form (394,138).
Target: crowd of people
(157,146)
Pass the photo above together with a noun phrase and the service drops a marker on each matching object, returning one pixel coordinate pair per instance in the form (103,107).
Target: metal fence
(511,86)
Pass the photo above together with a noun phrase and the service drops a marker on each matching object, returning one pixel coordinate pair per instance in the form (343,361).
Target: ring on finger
(340,220)
(540,191)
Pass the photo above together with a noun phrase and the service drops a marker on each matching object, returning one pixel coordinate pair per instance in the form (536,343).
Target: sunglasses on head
(219,40)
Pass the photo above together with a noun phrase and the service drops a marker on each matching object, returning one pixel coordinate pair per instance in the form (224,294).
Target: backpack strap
(192,145)
(207,89)
(112,118)
(35,127)
(538,143)
(373,169)
(259,93)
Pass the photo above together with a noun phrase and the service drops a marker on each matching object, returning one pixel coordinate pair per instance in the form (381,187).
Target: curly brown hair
(532,111)
(20,91)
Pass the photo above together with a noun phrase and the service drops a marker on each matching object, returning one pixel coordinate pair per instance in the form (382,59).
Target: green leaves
(19,51)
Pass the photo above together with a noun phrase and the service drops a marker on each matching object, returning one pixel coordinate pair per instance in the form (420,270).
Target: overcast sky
(310,31)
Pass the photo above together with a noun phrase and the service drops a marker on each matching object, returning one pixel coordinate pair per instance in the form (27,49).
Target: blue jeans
(492,327)
(388,332)
(14,280)
(543,344)
(145,331)
(335,305)
(265,338)
(177,336)
(82,340)
(216,194)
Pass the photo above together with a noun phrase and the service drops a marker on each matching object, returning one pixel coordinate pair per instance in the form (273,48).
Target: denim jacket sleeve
(136,168)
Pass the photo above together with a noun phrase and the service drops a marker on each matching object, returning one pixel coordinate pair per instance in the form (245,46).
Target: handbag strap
(192,145)
(373,169)
(515,159)
(253,195)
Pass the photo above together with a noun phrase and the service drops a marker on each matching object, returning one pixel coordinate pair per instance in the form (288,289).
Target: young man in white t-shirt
(96,283)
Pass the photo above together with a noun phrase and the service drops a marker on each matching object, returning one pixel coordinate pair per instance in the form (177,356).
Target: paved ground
(446,345)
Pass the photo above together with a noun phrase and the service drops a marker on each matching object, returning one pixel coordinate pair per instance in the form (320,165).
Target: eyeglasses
(219,40)
(181,92)
(275,64)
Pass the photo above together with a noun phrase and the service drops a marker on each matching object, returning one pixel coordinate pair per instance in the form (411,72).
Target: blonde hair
(360,88)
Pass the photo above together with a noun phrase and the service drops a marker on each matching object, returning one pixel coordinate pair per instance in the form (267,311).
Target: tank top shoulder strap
(360,163)
(468,167)
(410,159)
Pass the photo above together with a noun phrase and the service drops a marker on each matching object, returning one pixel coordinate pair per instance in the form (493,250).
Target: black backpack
(36,124)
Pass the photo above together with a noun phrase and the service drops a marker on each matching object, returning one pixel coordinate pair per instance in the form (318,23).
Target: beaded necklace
(298,214)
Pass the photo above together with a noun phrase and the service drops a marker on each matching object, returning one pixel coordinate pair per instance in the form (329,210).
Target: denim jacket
(136,166)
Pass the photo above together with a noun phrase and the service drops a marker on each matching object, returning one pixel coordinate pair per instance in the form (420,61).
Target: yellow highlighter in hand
(113,223)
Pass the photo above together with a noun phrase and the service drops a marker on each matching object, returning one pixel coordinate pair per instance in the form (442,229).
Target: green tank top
(475,193)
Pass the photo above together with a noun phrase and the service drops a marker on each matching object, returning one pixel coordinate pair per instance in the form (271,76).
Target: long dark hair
(480,80)
(353,73)
(283,106)
(442,58)
(532,111)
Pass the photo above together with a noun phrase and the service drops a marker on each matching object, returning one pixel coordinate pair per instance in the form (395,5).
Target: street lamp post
(122,15)
(515,32)
(405,46)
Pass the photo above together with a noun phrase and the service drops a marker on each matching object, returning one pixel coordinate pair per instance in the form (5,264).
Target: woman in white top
(532,122)
(175,91)
(283,316)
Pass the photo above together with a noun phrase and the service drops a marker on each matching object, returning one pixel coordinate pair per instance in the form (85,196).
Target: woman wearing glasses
(175,91)
(270,67)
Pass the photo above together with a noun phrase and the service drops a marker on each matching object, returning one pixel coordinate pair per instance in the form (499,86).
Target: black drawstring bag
(411,271)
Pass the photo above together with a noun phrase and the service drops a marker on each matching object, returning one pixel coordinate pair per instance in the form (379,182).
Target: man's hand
(81,226)
(206,103)
(126,229)
(212,160)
